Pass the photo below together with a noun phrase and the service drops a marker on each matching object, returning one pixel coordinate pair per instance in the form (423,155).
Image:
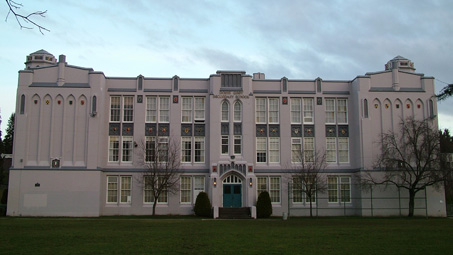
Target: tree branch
(14,6)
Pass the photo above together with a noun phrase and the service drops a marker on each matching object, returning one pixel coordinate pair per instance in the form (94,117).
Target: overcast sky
(335,40)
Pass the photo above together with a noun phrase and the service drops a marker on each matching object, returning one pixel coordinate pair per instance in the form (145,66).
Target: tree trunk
(154,206)
(411,202)
(311,208)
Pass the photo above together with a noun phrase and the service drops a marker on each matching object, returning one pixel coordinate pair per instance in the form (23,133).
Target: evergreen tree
(8,141)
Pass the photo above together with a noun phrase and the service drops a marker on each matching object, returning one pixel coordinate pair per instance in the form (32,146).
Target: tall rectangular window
(308,110)
(115,108)
(332,189)
(261,184)
(296,150)
(199,108)
(345,189)
(186,115)
(342,111)
(127,149)
(112,189)
(164,109)
(237,111)
(260,110)
(225,146)
(199,149)
(151,109)
(128,108)
(296,110)
(198,183)
(185,189)
(309,149)
(150,149)
(274,189)
(237,144)
(114,148)
(330,111)
(261,150)
(273,110)
(186,149)
(274,149)
(331,150)
(126,189)
(148,196)
(297,190)
(162,149)
(343,150)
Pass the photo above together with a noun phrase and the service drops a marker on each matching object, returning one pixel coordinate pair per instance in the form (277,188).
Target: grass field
(187,235)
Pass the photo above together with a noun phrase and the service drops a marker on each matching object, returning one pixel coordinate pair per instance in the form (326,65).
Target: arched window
(225,111)
(238,111)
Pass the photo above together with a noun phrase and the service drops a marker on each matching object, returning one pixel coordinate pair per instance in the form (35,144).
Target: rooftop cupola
(400,63)
(40,58)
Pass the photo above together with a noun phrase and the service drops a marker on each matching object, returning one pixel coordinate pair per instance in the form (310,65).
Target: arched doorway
(232,191)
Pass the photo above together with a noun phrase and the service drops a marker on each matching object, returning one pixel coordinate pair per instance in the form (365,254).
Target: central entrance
(232,191)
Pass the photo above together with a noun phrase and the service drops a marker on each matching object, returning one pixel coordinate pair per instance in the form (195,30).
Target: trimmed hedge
(264,205)
(203,205)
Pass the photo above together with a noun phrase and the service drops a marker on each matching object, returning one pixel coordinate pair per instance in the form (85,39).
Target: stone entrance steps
(234,213)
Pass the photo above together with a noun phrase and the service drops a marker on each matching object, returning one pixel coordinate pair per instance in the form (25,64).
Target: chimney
(259,76)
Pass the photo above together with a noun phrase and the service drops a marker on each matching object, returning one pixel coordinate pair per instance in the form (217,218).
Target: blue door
(232,195)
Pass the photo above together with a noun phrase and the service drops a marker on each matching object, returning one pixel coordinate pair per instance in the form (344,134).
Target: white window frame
(309,149)
(237,110)
(308,105)
(342,110)
(225,111)
(150,148)
(164,109)
(272,189)
(330,111)
(127,149)
(331,150)
(296,150)
(128,109)
(343,149)
(296,110)
(337,190)
(198,186)
(237,143)
(260,110)
(223,139)
(112,149)
(125,191)
(112,192)
(116,110)
(260,142)
(122,193)
(186,153)
(199,140)
(160,200)
(199,109)
(151,109)
(186,109)
(273,102)
(186,189)
(274,150)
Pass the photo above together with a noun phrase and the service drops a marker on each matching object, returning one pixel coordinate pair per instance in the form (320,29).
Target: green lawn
(187,235)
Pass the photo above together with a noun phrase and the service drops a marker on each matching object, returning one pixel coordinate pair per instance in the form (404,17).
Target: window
(164,109)
(186,109)
(115,107)
(237,111)
(112,189)
(309,149)
(124,195)
(331,150)
(237,144)
(127,149)
(198,186)
(273,110)
(343,150)
(151,109)
(274,149)
(296,110)
(185,188)
(225,111)
(339,189)
(261,184)
(299,195)
(225,147)
(342,111)
(261,150)
(114,148)
(296,150)
(274,189)
(186,149)
(128,111)
(199,108)
(330,110)
(150,149)
(199,149)
(162,147)
(125,189)
(148,196)
(365,108)
(308,110)
(260,110)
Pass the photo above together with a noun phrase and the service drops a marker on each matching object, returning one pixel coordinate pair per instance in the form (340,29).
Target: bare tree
(160,159)
(308,175)
(25,18)
(410,158)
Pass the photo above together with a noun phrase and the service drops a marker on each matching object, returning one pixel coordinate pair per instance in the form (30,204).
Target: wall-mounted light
(215,182)
(250,182)
(37,184)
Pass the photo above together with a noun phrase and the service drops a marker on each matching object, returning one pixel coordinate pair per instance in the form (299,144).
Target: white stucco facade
(76,132)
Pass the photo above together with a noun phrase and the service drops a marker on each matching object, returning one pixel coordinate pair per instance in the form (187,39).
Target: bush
(203,205)
(264,205)
(4,198)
